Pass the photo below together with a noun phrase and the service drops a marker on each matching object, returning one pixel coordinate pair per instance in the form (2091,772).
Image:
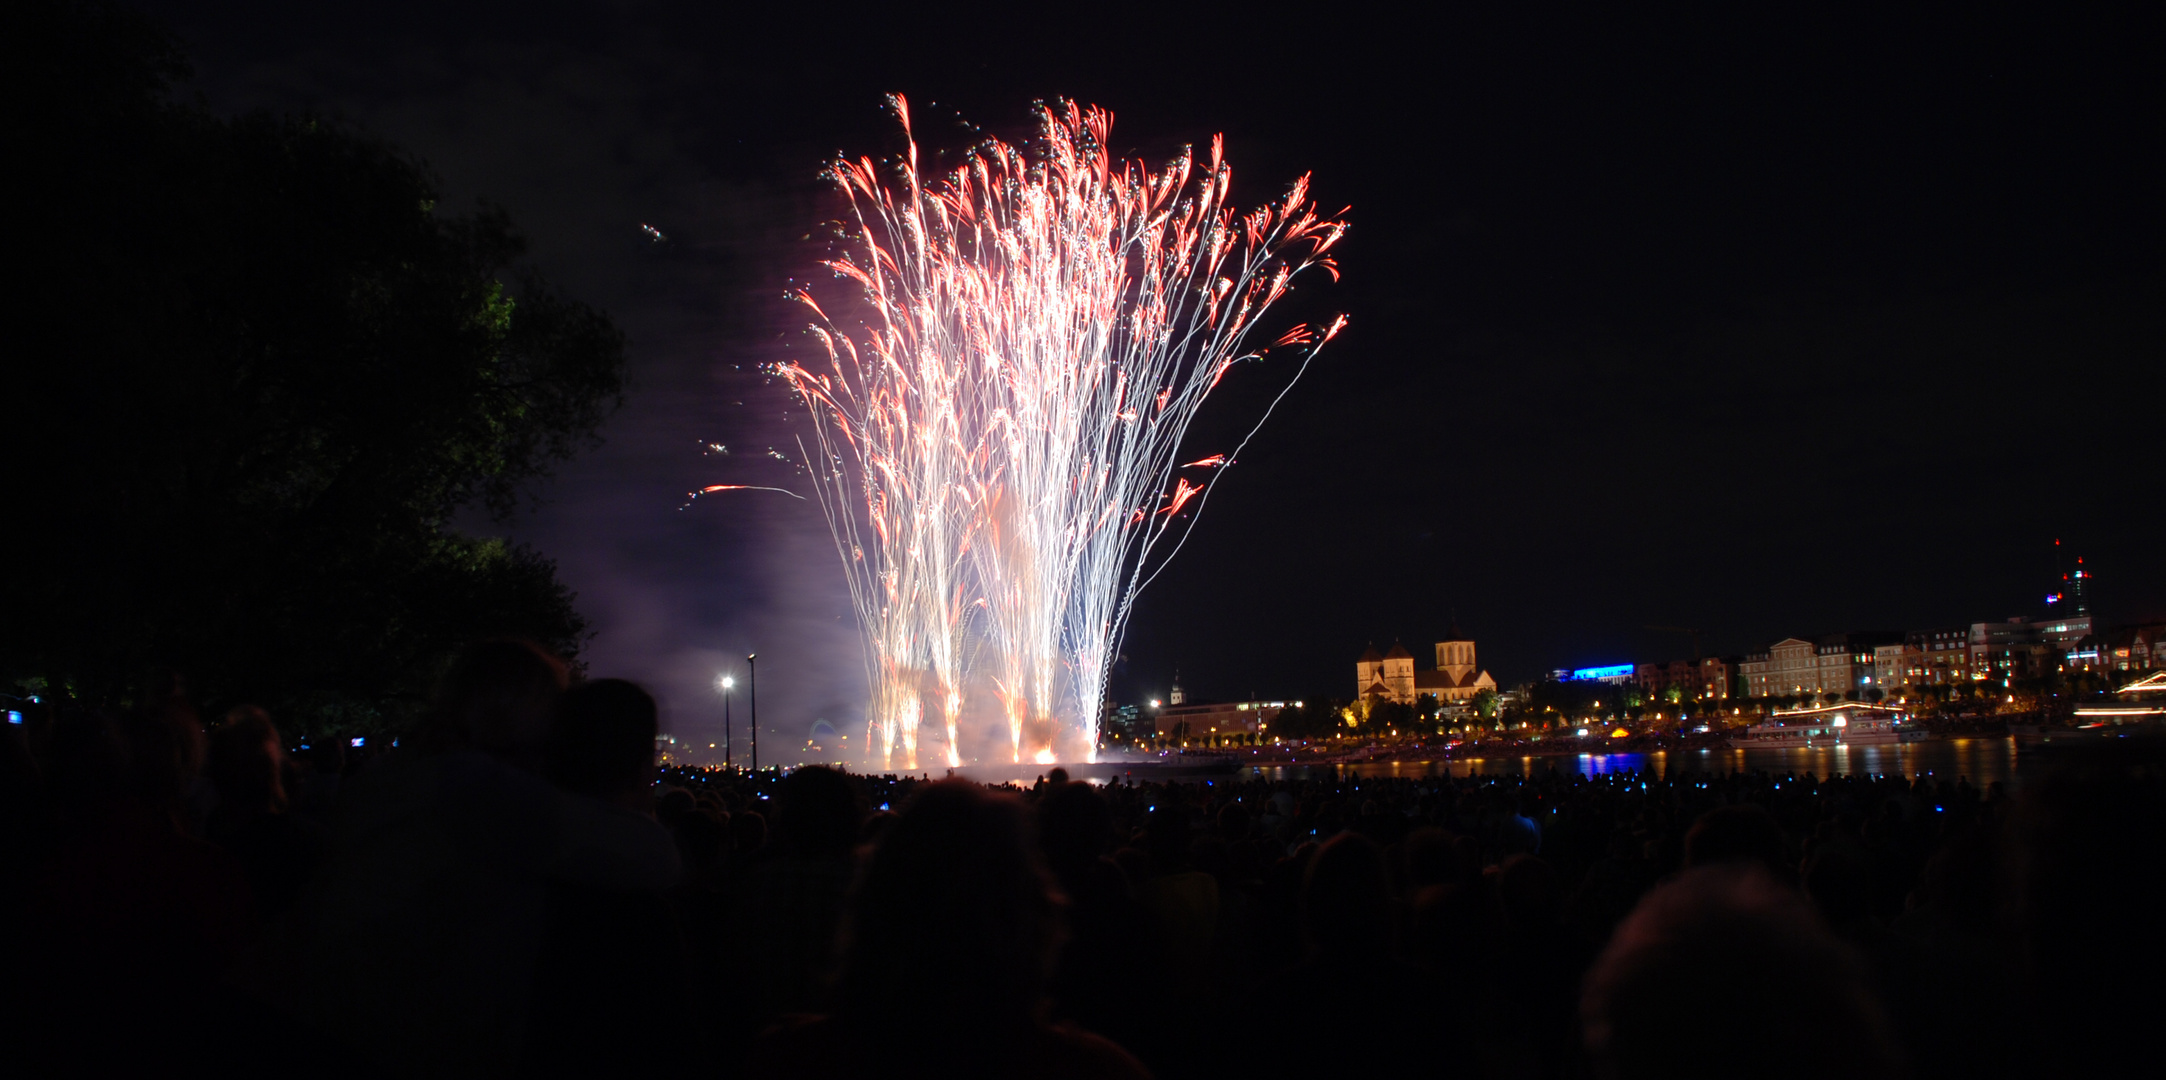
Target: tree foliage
(1485,703)
(1388,715)
(1311,720)
(261,372)
(1427,708)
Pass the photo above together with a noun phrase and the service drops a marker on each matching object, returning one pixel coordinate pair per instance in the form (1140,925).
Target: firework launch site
(999,453)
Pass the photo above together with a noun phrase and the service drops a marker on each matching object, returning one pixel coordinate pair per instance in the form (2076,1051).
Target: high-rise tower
(2069,587)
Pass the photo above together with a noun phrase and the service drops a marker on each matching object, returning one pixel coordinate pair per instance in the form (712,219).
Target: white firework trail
(997,448)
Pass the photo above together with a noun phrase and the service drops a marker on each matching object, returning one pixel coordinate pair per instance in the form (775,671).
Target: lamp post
(727,682)
(752,695)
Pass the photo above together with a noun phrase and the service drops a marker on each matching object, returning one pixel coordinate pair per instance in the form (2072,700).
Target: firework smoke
(997,446)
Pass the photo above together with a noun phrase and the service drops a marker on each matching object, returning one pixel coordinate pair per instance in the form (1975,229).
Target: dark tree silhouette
(1314,720)
(257,371)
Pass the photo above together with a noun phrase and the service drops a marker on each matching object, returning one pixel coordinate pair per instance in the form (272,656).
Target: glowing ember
(997,446)
(691,496)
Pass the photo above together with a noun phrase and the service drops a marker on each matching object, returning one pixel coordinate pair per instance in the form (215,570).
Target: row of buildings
(1859,662)
(1852,664)
(1215,723)
(1847,664)
(1387,676)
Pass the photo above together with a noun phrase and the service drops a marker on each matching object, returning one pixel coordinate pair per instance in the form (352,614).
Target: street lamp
(752,694)
(727,683)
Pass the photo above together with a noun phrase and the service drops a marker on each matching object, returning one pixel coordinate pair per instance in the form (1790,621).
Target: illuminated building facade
(1214,724)
(1892,664)
(1721,677)
(1457,677)
(1712,678)
(1612,674)
(1789,666)
(1391,676)
(1685,675)
(2022,648)
(1124,723)
(1835,664)
(1847,662)
(1937,657)
(2135,648)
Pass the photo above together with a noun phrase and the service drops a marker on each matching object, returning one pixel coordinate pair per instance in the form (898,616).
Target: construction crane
(1682,630)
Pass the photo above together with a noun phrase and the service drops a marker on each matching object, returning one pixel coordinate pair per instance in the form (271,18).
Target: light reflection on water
(1982,760)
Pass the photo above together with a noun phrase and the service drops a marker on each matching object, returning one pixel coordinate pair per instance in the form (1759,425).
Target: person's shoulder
(389,793)
(807,1047)
(1069,1052)
(606,846)
(1105,877)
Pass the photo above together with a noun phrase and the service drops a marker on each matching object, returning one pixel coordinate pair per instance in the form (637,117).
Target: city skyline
(2063,620)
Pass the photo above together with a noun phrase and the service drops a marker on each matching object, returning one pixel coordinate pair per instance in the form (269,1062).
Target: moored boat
(1829,727)
(2138,708)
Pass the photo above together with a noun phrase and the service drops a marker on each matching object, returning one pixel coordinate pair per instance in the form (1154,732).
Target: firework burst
(997,446)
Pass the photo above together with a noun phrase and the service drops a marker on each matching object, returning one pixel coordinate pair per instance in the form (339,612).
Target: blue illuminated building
(1612,673)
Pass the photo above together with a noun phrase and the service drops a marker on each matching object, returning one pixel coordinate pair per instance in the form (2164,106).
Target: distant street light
(727,683)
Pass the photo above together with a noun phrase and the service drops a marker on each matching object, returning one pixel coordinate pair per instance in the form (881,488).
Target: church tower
(1399,674)
(1455,656)
(1369,675)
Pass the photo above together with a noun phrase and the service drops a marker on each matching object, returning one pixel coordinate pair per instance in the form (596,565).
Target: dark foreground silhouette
(515,890)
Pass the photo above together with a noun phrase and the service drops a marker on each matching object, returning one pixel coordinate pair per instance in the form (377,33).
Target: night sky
(1761,324)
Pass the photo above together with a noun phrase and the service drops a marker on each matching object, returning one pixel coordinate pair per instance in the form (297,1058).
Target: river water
(1981,760)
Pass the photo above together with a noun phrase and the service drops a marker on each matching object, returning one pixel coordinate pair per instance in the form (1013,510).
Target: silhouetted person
(420,936)
(1351,921)
(1346,903)
(601,742)
(949,940)
(252,818)
(19,787)
(499,699)
(1744,833)
(165,753)
(747,833)
(1233,823)
(1450,916)
(610,969)
(322,772)
(1513,829)
(791,899)
(1536,968)
(1095,983)
(1613,884)
(130,919)
(2090,842)
(1723,972)
(1180,900)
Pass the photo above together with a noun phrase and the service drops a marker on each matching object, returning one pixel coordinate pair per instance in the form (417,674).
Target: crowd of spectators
(517,890)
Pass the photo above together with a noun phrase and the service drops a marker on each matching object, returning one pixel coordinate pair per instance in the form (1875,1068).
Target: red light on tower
(2070,594)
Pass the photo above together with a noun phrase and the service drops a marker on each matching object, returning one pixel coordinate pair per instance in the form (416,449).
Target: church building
(1391,676)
